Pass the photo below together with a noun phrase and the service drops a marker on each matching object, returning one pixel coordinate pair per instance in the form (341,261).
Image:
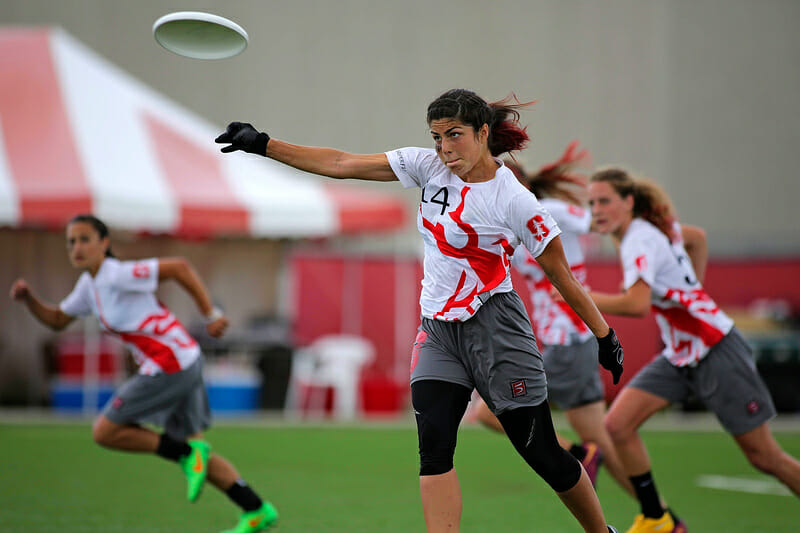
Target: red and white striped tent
(77,134)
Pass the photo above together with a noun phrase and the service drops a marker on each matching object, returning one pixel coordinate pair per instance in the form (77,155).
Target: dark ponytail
(98,225)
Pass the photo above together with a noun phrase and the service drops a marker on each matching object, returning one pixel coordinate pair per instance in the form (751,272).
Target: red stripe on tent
(40,149)
(207,203)
(364,210)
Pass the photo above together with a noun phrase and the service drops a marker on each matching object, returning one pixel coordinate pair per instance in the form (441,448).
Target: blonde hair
(650,201)
(559,179)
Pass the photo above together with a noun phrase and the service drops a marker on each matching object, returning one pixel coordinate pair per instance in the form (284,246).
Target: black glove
(610,354)
(243,136)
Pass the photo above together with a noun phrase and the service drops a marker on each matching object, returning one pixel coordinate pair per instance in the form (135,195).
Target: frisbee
(200,35)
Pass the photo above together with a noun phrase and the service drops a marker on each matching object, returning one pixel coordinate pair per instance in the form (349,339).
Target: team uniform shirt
(689,320)
(555,323)
(122,297)
(469,232)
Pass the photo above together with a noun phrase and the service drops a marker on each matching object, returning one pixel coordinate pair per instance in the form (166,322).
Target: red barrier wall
(377,298)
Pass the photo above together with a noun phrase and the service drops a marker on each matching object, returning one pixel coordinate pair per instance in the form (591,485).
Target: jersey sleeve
(570,217)
(640,259)
(532,223)
(137,276)
(413,166)
(77,303)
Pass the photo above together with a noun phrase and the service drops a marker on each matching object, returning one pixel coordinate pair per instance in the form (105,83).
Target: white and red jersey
(689,320)
(469,231)
(122,297)
(555,323)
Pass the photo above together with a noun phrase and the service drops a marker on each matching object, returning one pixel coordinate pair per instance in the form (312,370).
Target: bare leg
(221,473)
(587,421)
(631,408)
(441,502)
(582,502)
(765,454)
(127,438)
(486,417)
(131,438)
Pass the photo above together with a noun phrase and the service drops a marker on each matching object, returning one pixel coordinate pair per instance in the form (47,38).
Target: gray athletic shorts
(725,380)
(175,402)
(573,378)
(494,352)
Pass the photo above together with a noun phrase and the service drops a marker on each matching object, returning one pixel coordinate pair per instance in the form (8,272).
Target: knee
(617,429)
(763,459)
(102,432)
(435,460)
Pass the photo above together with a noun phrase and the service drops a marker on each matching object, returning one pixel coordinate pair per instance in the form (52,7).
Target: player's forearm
(322,161)
(189,279)
(48,315)
(331,162)
(618,304)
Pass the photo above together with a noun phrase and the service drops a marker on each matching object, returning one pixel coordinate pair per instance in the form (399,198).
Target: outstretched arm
(694,240)
(323,161)
(49,315)
(180,270)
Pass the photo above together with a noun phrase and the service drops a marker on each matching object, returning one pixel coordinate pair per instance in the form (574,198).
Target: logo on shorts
(753,407)
(418,342)
(117,403)
(518,388)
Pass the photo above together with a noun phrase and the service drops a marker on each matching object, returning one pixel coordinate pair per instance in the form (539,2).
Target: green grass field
(353,479)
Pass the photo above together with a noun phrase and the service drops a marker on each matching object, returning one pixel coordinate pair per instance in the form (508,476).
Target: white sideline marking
(741,484)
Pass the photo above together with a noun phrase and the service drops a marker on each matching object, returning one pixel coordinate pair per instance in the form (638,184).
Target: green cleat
(195,466)
(258,520)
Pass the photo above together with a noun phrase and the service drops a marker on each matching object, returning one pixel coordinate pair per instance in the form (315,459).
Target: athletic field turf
(360,479)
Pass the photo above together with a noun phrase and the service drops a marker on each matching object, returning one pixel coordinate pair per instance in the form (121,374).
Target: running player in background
(704,352)
(168,390)
(573,380)
(475,332)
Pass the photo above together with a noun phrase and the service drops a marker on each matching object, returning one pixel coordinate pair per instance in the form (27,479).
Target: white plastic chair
(330,361)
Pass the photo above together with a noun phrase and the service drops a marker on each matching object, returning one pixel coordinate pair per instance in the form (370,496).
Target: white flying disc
(200,35)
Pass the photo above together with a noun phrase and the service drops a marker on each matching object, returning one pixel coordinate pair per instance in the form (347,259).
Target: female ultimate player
(475,332)
(168,390)
(704,352)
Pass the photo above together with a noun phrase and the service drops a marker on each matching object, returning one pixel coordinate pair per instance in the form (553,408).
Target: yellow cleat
(641,524)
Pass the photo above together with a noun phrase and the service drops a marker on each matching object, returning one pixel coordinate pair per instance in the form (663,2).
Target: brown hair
(558,179)
(650,201)
(505,132)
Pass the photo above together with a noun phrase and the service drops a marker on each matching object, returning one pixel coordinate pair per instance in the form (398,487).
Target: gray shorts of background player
(725,380)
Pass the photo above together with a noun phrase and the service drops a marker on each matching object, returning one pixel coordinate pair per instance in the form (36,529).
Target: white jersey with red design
(555,323)
(122,297)
(689,320)
(469,231)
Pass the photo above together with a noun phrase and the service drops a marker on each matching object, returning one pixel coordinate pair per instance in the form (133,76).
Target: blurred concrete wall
(699,94)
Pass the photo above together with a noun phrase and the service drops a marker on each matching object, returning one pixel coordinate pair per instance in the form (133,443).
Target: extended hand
(19,290)
(217,328)
(610,354)
(243,136)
